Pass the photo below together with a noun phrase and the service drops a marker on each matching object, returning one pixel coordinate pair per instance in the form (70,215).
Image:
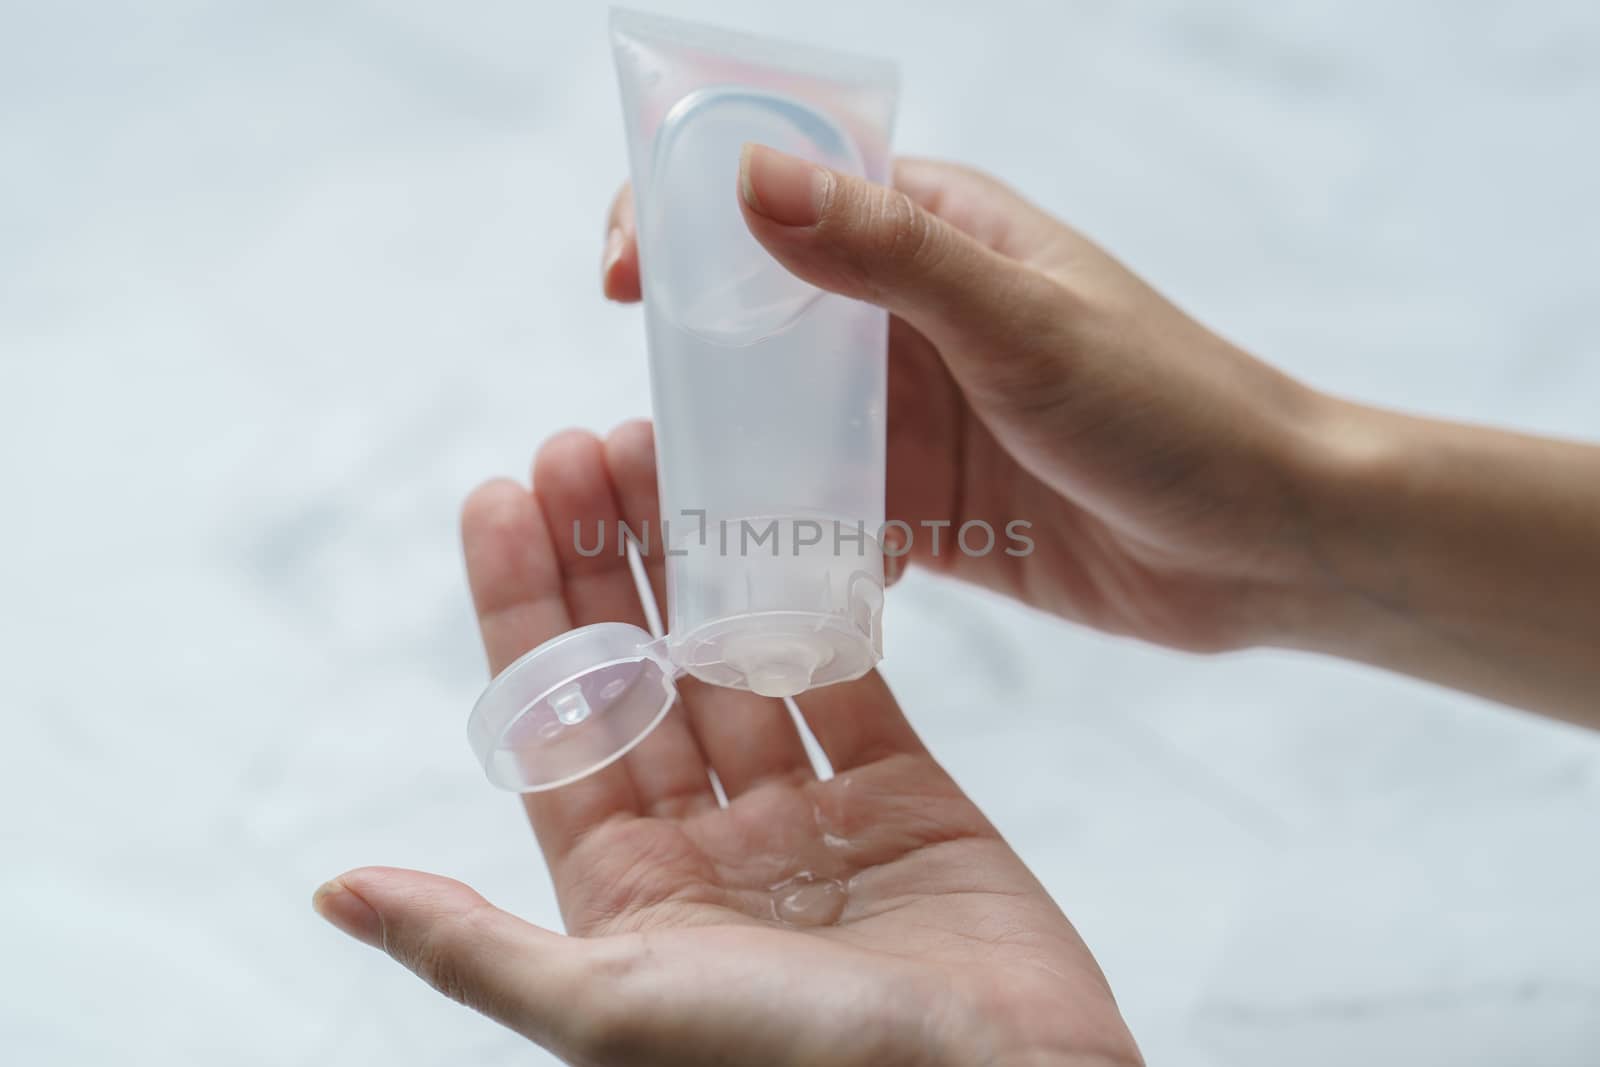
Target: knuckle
(444,955)
(911,227)
(880,233)
(906,231)
(979,178)
(874,234)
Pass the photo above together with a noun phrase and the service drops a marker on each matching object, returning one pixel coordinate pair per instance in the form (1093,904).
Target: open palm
(873,917)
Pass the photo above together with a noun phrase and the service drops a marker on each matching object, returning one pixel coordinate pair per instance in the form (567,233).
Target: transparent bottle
(769,399)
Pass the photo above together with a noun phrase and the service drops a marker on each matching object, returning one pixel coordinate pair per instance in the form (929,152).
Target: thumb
(528,979)
(850,236)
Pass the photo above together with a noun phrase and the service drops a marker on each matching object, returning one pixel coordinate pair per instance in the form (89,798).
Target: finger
(857,723)
(572,484)
(668,768)
(631,457)
(928,433)
(975,203)
(619,264)
(867,241)
(745,738)
(970,200)
(748,739)
(980,206)
(511,570)
(515,577)
(528,979)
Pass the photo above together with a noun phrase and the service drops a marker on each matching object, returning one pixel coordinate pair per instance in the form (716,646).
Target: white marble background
(279,282)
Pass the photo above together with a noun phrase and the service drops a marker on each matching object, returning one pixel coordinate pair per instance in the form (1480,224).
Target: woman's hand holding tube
(1178,489)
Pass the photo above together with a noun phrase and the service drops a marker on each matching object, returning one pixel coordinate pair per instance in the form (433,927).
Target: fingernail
(787,190)
(613,253)
(345,910)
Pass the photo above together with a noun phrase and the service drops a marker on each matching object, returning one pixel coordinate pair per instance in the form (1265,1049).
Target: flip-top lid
(570,706)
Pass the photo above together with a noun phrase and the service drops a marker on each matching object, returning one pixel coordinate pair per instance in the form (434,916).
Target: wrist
(1344,521)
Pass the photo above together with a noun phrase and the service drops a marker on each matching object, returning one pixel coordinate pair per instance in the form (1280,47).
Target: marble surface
(279,282)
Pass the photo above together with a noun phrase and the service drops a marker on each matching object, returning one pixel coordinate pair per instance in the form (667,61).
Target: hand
(875,918)
(1032,377)
(1178,489)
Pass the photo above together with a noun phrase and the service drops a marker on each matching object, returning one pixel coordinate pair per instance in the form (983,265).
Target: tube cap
(571,706)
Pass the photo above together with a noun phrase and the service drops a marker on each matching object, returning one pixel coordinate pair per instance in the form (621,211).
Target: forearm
(1457,554)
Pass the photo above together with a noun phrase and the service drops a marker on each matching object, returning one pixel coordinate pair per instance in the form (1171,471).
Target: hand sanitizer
(769,398)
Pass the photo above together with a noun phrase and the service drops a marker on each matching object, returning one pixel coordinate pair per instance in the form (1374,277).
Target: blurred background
(280,282)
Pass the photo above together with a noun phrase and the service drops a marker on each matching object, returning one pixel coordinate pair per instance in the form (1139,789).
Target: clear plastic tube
(769,395)
(769,401)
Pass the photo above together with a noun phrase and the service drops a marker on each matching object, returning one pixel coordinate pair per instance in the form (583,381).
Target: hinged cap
(570,706)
